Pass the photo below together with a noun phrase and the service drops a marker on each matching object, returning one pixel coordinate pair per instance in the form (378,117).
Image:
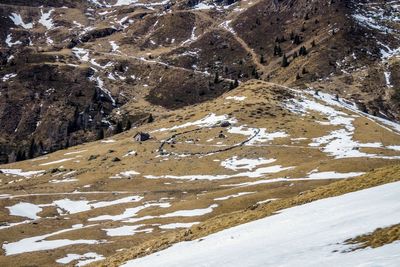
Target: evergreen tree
(285,62)
(128,125)
(150,119)
(297,40)
(262,60)
(32,149)
(277,50)
(255,73)
(303,51)
(236,83)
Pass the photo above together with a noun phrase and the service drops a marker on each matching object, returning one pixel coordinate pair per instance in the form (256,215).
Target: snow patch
(17,19)
(291,239)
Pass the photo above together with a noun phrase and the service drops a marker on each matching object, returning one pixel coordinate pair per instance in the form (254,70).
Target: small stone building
(141,136)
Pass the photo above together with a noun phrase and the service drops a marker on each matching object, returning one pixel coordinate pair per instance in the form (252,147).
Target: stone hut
(141,136)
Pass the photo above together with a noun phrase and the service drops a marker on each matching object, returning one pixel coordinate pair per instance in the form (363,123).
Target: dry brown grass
(261,109)
(378,238)
(224,221)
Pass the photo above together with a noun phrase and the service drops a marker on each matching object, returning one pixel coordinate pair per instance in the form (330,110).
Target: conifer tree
(128,125)
(303,51)
(297,40)
(285,62)
(150,119)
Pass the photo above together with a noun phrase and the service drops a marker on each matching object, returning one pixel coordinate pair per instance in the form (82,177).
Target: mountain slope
(143,58)
(255,144)
(289,238)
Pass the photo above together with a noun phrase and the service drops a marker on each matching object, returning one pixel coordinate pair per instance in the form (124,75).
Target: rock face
(75,71)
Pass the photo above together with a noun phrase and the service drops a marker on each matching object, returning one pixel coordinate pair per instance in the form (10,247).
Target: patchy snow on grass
(9,41)
(189,177)
(24,209)
(129,173)
(6,225)
(370,22)
(192,37)
(330,100)
(66,180)
(203,6)
(251,174)
(84,259)
(334,175)
(236,98)
(56,161)
(81,53)
(124,2)
(233,196)
(9,76)
(108,141)
(125,174)
(100,85)
(107,65)
(38,243)
(130,153)
(177,225)
(190,213)
(237,164)
(20,172)
(129,212)
(338,143)
(266,201)
(388,79)
(291,239)
(316,176)
(76,206)
(226,26)
(397,148)
(114,46)
(127,230)
(260,135)
(208,121)
(46,19)
(17,19)
(74,152)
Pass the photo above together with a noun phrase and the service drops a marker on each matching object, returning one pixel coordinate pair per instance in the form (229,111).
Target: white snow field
(309,235)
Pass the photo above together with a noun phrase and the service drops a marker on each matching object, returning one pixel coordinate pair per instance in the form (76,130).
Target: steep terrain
(88,69)
(259,143)
(252,108)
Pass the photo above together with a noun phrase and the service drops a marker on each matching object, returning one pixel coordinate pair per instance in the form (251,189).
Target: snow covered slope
(308,235)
